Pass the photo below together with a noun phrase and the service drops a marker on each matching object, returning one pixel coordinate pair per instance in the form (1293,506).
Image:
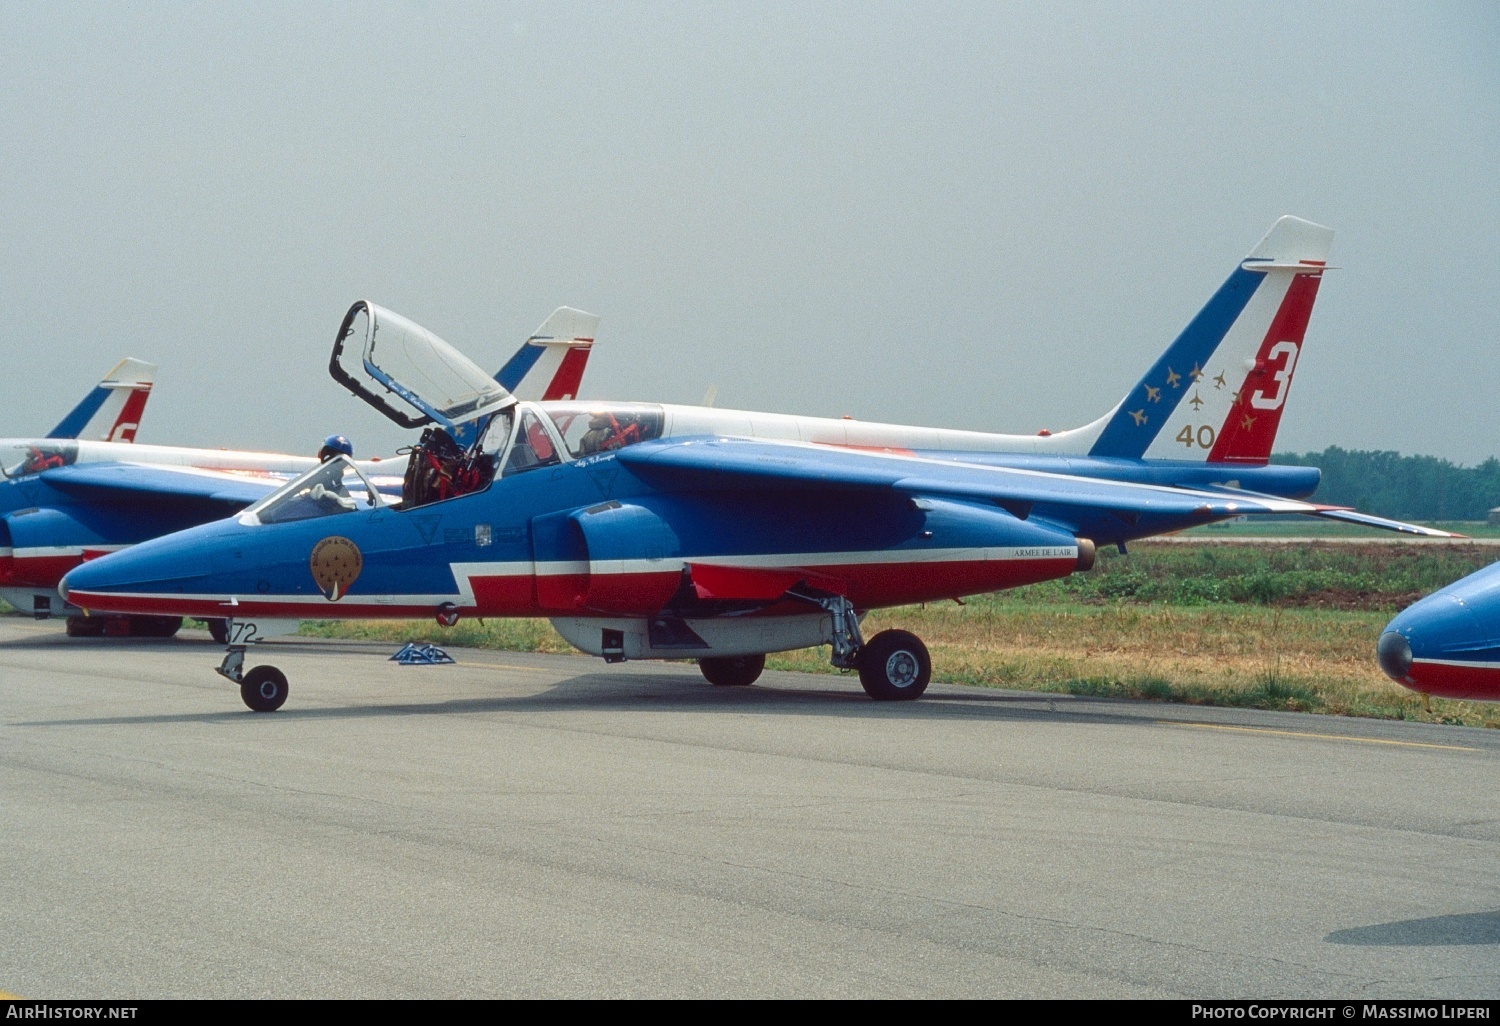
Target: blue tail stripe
(517,366)
(507,377)
(1123,436)
(74,423)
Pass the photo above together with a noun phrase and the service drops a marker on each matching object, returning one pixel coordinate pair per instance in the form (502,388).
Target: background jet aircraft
(112,411)
(82,492)
(1448,644)
(647,532)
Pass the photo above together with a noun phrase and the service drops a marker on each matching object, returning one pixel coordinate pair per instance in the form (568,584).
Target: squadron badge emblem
(335,565)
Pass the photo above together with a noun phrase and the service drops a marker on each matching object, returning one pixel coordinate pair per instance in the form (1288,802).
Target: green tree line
(1405,487)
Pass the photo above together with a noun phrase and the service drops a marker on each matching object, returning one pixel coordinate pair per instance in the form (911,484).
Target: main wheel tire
(155,626)
(264,688)
(218,630)
(85,627)
(732,671)
(894,667)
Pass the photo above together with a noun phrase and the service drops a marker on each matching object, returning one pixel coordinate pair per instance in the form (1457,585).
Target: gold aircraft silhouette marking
(1219,381)
(1195,373)
(1139,415)
(1173,377)
(1195,401)
(1247,422)
(1153,394)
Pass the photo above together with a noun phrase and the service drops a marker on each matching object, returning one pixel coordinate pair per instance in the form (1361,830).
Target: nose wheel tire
(264,688)
(732,671)
(894,667)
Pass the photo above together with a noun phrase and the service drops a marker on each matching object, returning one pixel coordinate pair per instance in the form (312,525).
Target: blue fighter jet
(651,532)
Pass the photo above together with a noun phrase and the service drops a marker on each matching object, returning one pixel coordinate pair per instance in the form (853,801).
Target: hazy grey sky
(990,216)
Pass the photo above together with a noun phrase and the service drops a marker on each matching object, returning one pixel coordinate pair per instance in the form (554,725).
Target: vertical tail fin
(1218,391)
(112,411)
(550,364)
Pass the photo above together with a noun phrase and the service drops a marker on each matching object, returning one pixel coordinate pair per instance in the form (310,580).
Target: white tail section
(551,363)
(112,411)
(1217,392)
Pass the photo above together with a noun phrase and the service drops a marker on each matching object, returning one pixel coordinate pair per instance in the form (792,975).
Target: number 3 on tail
(1203,440)
(1260,400)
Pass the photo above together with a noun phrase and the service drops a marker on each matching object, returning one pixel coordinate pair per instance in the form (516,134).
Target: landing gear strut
(893,666)
(263,688)
(847,640)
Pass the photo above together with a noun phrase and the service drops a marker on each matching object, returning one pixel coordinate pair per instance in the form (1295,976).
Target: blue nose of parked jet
(172,575)
(1448,644)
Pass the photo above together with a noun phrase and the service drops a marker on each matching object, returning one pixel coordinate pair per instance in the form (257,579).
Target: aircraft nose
(1446,645)
(1393,652)
(140,578)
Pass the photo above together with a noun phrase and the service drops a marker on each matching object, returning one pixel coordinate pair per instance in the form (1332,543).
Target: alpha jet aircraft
(82,491)
(651,532)
(1448,644)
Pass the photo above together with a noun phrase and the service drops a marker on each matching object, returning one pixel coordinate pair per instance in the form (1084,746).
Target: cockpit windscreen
(18,460)
(327,490)
(589,428)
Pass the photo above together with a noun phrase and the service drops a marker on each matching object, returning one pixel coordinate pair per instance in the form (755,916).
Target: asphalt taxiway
(527,825)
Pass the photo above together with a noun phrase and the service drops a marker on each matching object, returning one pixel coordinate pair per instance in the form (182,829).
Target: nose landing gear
(263,688)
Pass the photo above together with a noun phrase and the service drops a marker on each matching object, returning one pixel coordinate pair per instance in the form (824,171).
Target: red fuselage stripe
(869,586)
(1444,680)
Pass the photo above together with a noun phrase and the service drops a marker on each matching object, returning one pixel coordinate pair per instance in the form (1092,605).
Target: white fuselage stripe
(45,551)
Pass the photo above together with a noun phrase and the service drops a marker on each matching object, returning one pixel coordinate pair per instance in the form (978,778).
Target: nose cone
(1393,652)
(170,575)
(1448,644)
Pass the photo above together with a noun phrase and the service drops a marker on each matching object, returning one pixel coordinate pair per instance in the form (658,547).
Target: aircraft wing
(159,485)
(762,463)
(1351,516)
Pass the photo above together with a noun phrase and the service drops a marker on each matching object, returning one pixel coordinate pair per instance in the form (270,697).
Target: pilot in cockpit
(335,445)
(597,436)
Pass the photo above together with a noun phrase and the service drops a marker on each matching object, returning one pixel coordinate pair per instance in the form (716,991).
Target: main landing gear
(893,666)
(263,688)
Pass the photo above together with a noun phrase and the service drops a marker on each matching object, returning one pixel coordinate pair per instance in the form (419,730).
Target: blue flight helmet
(336,445)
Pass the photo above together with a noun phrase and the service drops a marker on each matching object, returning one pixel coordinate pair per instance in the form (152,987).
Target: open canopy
(409,362)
